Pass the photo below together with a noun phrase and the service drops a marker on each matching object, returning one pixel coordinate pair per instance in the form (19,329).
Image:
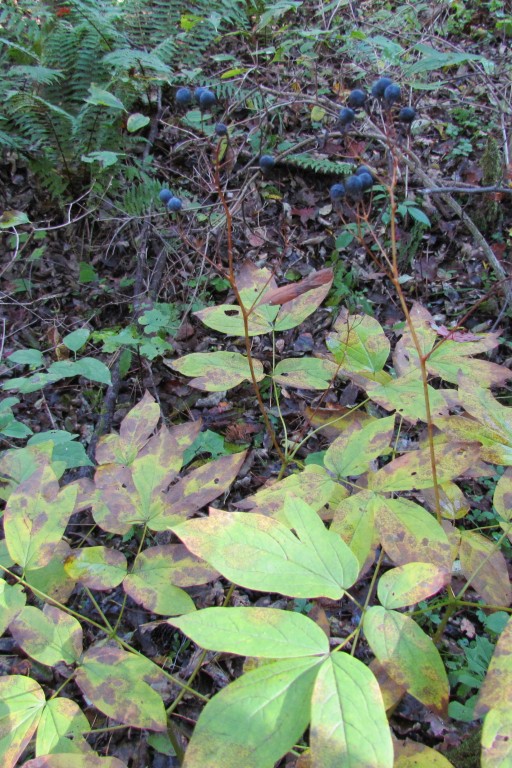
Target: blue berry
(407,115)
(380,86)
(199,92)
(165,195)
(354,187)
(174,204)
(337,191)
(346,116)
(366,180)
(356,98)
(267,162)
(221,129)
(392,94)
(183,96)
(364,169)
(207,99)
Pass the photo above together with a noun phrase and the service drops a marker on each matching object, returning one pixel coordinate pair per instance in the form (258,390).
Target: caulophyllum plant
(377,526)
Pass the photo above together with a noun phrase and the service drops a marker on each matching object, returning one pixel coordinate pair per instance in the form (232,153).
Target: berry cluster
(173,203)
(354,185)
(204,97)
(385,91)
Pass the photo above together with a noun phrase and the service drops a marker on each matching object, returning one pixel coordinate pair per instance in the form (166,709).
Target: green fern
(319,164)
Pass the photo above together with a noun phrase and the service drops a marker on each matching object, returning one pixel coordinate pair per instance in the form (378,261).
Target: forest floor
(102,269)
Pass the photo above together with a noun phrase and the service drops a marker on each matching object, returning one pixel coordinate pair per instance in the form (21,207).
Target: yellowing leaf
(352,452)
(89,760)
(117,684)
(413,471)
(262,632)
(410,583)
(256,720)
(305,372)
(159,572)
(359,344)
(61,721)
(497,738)
(135,430)
(36,516)
(48,636)
(408,655)
(12,600)
(411,534)
(260,553)
(411,754)
(354,521)
(96,567)
(486,568)
(495,691)
(217,371)
(21,704)
(349,726)
(406,396)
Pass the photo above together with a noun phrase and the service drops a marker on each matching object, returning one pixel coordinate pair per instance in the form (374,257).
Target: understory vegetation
(255,411)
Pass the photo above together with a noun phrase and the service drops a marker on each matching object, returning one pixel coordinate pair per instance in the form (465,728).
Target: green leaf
(159,573)
(65,448)
(10,219)
(359,344)
(97,567)
(60,728)
(305,372)
(257,719)
(354,521)
(217,371)
(35,518)
(294,312)
(228,319)
(353,452)
(349,726)
(119,685)
(262,632)
(76,340)
(12,601)
(418,215)
(88,760)
(136,121)
(88,367)
(410,583)
(31,357)
(21,704)
(260,553)
(48,636)
(103,98)
(408,655)
(406,396)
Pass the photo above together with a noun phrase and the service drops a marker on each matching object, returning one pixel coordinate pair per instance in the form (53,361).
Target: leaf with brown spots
(485,567)
(22,702)
(119,685)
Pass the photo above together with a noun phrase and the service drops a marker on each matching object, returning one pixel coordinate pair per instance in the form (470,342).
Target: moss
(467,755)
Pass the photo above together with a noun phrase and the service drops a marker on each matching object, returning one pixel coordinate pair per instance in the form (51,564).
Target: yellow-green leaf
(496,688)
(305,372)
(261,632)
(485,567)
(97,567)
(217,371)
(497,738)
(412,754)
(353,451)
(257,719)
(354,521)
(408,655)
(61,727)
(359,344)
(21,704)
(158,574)
(410,583)
(349,726)
(12,600)
(48,636)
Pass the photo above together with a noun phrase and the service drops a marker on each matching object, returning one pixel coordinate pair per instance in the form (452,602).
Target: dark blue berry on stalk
(366,180)
(183,96)
(207,99)
(354,187)
(199,92)
(364,169)
(165,195)
(337,191)
(221,129)
(346,116)
(356,98)
(267,162)
(380,86)
(174,204)
(407,115)
(392,94)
